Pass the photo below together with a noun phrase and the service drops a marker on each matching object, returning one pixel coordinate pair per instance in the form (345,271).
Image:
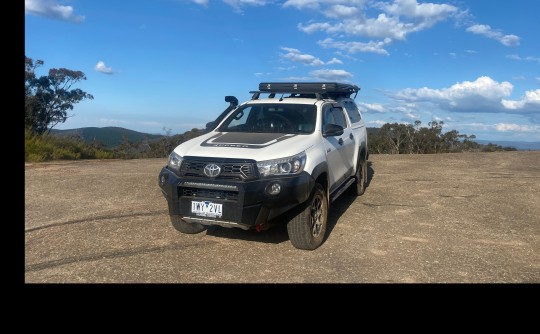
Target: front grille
(209,193)
(230,169)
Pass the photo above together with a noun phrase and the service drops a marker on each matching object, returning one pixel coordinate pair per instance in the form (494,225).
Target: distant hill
(520,145)
(114,136)
(109,136)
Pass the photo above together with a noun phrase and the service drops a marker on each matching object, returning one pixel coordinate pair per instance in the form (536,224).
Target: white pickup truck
(279,159)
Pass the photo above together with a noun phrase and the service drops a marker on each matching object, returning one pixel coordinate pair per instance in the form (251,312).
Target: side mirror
(332,130)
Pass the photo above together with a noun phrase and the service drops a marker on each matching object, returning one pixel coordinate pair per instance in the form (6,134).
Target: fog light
(162,180)
(273,188)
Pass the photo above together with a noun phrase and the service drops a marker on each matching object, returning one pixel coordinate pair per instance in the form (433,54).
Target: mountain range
(109,136)
(114,136)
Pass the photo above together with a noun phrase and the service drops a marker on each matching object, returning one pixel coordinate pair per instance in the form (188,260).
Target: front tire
(183,226)
(307,229)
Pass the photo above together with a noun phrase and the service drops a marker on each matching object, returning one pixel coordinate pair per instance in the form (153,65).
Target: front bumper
(245,203)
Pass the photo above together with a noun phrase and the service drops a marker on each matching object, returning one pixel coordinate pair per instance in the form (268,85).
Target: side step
(341,189)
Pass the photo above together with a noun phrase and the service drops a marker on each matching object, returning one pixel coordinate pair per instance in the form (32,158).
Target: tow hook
(260,227)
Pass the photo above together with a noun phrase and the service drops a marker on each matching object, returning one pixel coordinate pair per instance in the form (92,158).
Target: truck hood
(245,145)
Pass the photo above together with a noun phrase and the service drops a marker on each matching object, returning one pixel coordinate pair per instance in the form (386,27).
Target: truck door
(339,149)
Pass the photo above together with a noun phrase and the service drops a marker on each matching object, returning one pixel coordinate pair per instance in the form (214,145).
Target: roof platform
(319,90)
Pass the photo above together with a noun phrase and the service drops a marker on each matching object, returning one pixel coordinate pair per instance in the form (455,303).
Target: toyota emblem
(212,170)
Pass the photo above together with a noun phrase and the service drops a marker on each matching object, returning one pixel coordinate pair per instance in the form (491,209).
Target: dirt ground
(424,218)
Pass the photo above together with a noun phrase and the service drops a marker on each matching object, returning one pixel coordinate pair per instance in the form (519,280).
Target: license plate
(207,209)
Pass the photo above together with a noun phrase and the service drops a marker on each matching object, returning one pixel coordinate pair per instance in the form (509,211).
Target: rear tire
(359,186)
(307,229)
(183,226)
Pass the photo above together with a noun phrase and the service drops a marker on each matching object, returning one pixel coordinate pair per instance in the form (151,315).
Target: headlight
(285,166)
(174,162)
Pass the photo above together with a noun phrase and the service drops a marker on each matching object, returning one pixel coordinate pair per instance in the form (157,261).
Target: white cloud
(482,95)
(406,109)
(381,27)
(529,102)
(471,51)
(383,22)
(376,107)
(299,57)
(528,58)
(347,56)
(388,24)
(51,9)
(429,13)
(511,127)
(238,4)
(485,30)
(410,115)
(477,126)
(341,11)
(377,122)
(323,26)
(479,96)
(246,2)
(354,47)
(101,67)
(201,2)
(334,61)
(331,75)
(281,68)
(301,4)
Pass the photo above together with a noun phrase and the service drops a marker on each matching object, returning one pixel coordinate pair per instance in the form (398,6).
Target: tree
(396,136)
(436,133)
(48,98)
(451,140)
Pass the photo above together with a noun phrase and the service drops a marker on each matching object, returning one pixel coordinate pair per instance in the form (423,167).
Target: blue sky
(155,64)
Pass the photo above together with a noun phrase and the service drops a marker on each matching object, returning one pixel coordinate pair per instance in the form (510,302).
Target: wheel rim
(316,216)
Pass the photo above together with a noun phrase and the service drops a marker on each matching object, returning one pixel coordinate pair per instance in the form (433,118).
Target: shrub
(38,148)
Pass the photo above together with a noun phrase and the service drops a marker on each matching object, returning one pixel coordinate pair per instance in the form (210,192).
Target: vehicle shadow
(342,203)
(278,232)
(275,235)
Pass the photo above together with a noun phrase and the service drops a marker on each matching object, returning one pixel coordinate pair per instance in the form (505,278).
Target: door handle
(340,141)
(351,136)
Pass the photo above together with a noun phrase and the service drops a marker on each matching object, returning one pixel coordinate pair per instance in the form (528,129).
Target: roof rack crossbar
(311,87)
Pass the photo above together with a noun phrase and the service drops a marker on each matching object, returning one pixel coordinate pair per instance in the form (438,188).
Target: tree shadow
(278,231)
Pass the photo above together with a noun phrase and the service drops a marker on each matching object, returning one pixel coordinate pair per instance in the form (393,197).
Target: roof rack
(320,89)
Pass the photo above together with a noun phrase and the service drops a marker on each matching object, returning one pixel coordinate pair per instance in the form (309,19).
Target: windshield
(273,118)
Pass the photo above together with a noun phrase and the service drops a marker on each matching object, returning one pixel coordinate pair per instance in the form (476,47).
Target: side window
(352,111)
(328,117)
(339,117)
(333,115)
